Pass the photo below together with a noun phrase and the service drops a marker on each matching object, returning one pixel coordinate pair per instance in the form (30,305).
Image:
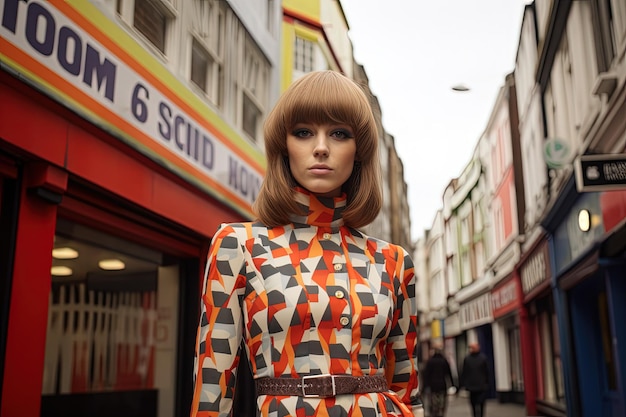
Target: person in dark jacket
(437,378)
(475,379)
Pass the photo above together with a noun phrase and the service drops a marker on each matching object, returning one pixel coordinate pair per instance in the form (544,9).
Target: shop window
(515,358)
(113,315)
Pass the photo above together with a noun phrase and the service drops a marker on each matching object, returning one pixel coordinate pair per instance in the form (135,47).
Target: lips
(320,169)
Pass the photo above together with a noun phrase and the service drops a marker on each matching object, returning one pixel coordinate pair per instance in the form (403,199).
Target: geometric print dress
(308,298)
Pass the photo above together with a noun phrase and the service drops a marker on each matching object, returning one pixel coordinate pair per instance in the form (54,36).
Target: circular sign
(556,152)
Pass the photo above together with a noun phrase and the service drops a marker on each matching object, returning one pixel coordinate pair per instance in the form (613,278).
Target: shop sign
(476,312)
(74,53)
(536,269)
(601,172)
(505,298)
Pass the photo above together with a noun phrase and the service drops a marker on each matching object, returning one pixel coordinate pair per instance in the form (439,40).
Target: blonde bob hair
(321,97)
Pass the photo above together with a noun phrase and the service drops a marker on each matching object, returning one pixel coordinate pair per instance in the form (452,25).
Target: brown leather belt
(321,385)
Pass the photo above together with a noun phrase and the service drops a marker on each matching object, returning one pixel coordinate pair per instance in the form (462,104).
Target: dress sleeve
(220,329)
(402,342)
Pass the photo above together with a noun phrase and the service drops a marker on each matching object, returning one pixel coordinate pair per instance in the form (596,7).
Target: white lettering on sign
(117,83)
(615,171)
(504,296)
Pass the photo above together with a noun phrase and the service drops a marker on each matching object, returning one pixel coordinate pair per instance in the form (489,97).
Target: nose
(321,145)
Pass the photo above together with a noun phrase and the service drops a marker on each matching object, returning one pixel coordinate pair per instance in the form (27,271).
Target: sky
(414,52)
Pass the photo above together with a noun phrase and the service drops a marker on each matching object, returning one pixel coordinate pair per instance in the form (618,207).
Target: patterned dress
(312,297)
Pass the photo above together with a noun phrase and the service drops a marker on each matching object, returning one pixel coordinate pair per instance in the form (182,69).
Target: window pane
(251,115)
(151,22)
(199,65)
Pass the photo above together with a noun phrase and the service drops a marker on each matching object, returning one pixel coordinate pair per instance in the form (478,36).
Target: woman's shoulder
(382,244)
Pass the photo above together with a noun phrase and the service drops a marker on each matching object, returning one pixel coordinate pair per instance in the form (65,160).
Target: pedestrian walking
(436,380)
(475,379)
(327,315)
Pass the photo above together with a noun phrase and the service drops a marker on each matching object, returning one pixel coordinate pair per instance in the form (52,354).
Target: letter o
(72,66)
(46,46)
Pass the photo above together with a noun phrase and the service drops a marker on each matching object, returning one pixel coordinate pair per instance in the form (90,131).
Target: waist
(321,386)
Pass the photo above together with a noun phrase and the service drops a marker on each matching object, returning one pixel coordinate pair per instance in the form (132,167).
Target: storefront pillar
(42,190)
(528,361)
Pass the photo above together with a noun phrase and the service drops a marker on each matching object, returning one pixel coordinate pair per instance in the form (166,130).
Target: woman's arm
(402,343)
(220,330)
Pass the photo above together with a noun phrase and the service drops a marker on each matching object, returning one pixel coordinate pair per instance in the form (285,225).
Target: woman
(327,314)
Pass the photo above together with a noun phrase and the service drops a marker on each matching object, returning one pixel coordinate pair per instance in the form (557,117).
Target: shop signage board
(600,172)
(76,54)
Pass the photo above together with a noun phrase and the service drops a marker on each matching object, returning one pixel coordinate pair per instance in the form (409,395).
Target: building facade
(551,299)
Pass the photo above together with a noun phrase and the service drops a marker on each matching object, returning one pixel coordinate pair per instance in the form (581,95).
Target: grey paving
(460,407)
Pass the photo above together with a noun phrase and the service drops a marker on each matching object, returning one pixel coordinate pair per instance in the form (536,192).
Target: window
(304,55)
(207,51)
(255,85)
(251,117)
(150,20)
(515,358)
(602,15)
(206,73)
(113,320)
(199,65)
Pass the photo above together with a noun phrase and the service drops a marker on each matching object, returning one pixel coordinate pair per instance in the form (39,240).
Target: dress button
(338,267)
(326,236)
(339,294)
(344,321)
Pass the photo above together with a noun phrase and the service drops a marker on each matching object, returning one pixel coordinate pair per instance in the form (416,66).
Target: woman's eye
(301,133)
(342,134)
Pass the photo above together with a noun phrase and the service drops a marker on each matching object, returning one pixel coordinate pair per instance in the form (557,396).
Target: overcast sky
(414,52)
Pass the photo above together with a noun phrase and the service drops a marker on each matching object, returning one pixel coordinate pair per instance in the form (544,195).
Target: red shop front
(104,231)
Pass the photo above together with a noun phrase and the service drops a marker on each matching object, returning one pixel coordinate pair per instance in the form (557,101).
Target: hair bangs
(327,99)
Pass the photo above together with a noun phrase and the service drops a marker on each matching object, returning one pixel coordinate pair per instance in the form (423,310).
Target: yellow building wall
(306,8)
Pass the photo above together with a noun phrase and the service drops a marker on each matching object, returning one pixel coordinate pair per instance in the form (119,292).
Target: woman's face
(321,156)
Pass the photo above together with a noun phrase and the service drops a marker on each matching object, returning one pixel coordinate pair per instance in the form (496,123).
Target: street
(459,407)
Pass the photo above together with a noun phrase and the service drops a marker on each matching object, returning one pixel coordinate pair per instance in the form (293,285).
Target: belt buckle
(332,380)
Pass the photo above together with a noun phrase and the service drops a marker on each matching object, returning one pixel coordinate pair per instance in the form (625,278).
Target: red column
(528,361)
(30,288)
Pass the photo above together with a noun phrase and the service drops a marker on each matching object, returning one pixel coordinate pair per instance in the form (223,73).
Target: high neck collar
(321,211)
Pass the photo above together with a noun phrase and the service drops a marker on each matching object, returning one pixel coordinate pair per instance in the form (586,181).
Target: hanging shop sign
(74,53)
(600,172)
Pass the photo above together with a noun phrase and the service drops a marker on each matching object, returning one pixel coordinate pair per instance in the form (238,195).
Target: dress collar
(321,211)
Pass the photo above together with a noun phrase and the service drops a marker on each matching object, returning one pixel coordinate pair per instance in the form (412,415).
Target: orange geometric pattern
(309,298)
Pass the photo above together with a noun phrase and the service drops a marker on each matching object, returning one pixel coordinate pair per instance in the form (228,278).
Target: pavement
(458,406)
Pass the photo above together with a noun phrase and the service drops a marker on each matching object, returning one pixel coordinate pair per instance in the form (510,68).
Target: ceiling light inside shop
(61,271)
(111,264)
(64,253)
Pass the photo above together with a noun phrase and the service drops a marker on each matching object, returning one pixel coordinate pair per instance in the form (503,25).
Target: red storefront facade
(77,170)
